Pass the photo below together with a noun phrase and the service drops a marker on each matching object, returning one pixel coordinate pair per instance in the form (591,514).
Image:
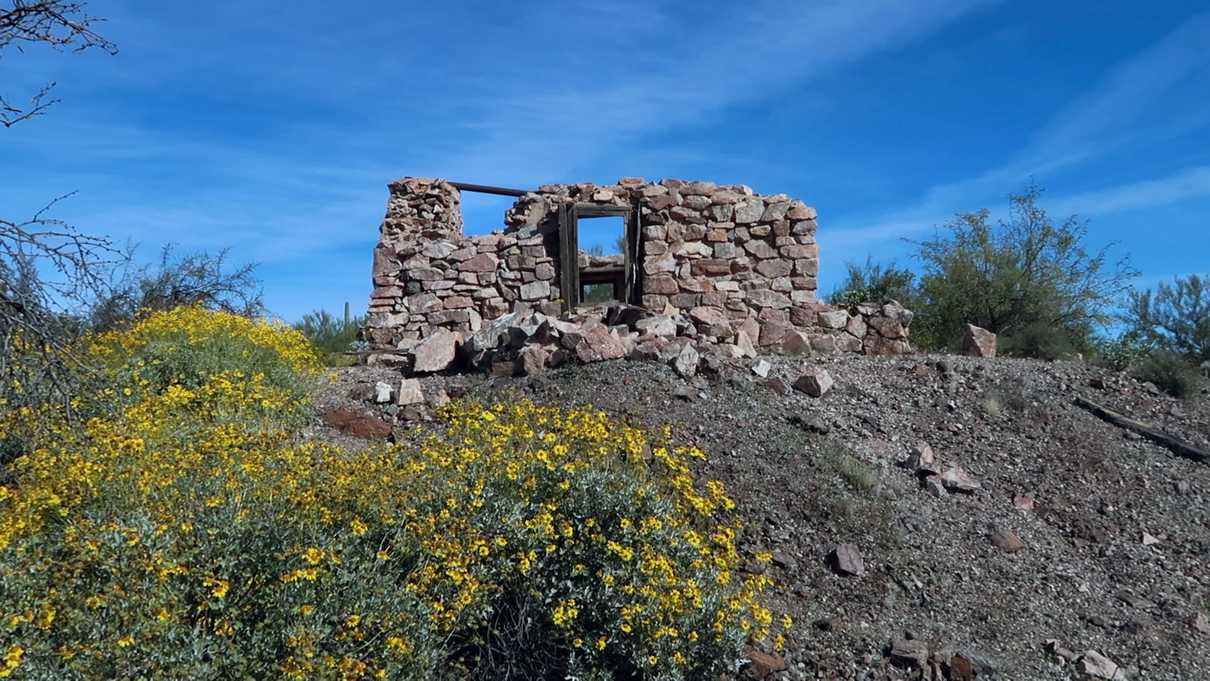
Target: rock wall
(732,261)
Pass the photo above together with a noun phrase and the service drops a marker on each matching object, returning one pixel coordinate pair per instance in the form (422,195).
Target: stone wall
(730,260)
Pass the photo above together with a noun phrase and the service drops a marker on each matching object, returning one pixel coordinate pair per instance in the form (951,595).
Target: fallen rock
(382,392)
(958,480)
(979,342)
(761,368)
(353,424)
(1098,666)
(532,360)
(920,456)
(435,353)
(845,559)
(658,325)
(598,344)
(686,361)
(1023,502)
(762,665)
(409,392)
(814,381)
(1006,540)
(909,653)
(1150,540)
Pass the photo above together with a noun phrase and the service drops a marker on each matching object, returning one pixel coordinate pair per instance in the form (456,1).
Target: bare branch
(58,24)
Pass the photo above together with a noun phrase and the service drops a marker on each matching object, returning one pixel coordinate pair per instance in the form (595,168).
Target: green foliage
(876,283)
(1174,317)
(331,336)
(1119,353)
(195,534)
(1028,279)
(1169,371)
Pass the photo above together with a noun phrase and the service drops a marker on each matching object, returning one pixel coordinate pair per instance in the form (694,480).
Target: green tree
(875,283)
(1028,279)
(1174,318)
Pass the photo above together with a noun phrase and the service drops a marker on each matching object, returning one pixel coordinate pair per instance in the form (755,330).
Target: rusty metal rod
(488,189)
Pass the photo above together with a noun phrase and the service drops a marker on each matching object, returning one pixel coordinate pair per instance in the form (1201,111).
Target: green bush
(876,283)
(1169,371)
(1027,279)
(1175,318)
(332,337)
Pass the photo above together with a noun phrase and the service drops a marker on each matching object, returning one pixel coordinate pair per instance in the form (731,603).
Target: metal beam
(488,189)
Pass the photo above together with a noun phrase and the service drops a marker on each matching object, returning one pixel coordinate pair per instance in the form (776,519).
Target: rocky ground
(1080,536)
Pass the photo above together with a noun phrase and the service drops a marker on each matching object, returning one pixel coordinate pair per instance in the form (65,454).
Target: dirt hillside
(1080,536)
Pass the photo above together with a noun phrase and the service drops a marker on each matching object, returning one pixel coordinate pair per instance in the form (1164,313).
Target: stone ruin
(718,265)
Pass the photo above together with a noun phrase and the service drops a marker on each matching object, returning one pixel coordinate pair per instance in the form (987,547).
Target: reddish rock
(1023,502)
(814,381)
(598,344)
(484,262)
(351,423)
(762,665)
(845,559)
(979,342)
(435,353)
(711,321)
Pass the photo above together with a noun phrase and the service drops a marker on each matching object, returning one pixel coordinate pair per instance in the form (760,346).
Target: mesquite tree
(49,270)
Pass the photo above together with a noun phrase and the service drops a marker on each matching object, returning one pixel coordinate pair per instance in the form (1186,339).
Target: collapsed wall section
(732,261)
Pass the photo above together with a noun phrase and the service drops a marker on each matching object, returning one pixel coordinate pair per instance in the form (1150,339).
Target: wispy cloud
(1114,115)
(748,54)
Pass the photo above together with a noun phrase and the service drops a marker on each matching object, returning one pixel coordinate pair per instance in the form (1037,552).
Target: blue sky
(272,128)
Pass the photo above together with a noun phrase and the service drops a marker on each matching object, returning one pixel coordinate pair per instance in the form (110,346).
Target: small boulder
(845,559)
(958,480)
(762,665)
(814,381)
(1098,666)
(382,392)
(686,361)
(979,342)
(761,368)
(409,393)
(435,353)
(1006,540)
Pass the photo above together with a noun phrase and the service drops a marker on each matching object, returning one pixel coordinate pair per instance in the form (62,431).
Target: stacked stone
(428,276)
(742,267)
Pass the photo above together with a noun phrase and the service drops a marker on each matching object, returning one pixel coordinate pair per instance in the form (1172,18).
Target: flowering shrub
(192,534)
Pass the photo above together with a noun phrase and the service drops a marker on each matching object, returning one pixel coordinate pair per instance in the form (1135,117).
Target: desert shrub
(1175,318)
(332,336)
(1029,279)
(188,346)
(875,283)
(1169,371)
(1119,352)
(191,280)
(192,534)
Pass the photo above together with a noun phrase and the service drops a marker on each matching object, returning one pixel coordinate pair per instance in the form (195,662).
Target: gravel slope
(813,473)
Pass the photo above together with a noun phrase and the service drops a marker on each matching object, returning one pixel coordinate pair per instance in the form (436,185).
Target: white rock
(382,392)
(409,392)
(761,368)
